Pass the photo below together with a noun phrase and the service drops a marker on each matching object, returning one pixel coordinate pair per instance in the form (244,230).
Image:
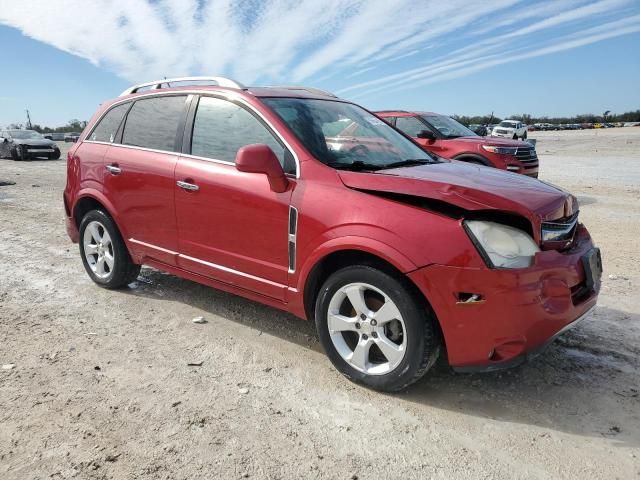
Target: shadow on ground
(593,368)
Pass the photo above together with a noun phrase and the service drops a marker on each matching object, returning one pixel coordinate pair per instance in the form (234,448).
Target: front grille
(39,147)
(528,157)
(560,231)
(499,130)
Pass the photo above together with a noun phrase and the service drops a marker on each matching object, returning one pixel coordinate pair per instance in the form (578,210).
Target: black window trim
(190,121)
(229,96)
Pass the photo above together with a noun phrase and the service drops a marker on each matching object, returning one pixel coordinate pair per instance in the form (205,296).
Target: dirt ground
(101,386)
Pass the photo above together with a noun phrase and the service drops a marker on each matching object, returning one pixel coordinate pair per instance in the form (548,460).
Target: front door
(412,126)
(231,226)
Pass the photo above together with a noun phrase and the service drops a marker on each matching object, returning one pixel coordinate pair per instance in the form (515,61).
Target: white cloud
(310,41)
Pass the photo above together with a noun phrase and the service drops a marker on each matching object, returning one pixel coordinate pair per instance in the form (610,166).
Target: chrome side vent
(293,231)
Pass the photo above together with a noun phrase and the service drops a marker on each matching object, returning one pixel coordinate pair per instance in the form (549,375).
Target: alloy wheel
(367,328)
(98,249)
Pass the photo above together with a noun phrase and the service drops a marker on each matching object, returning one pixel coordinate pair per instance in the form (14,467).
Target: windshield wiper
(357,166)
(409,163)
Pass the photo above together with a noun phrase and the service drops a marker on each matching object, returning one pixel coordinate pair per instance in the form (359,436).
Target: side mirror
(426,134)
(259,158)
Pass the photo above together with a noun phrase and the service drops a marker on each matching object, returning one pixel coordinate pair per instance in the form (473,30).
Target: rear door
(231,226)
(139,174)
(90,153)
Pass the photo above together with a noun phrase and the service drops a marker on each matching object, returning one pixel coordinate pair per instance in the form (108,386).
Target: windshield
(448,127)
(24,134)
(343,135)
(508,124)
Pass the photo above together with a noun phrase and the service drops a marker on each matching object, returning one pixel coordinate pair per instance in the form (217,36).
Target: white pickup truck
(510,129)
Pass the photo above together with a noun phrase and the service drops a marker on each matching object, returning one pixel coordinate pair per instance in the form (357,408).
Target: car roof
(285,92)
(403,113)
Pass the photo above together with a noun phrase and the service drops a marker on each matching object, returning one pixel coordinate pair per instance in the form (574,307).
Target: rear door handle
(188,186)
(113,169)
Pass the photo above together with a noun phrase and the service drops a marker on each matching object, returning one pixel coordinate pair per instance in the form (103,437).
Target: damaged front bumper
(499,318)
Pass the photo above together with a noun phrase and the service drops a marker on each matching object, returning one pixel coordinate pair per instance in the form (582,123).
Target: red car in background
(446,137)
(299,200)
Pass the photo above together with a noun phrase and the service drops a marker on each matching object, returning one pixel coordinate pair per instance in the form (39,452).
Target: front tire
(17,153)
(104,255)
(524,137)
(374,329)
(55,155)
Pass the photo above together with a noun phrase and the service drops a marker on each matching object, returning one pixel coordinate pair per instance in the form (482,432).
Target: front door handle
(188,186)
(113,169)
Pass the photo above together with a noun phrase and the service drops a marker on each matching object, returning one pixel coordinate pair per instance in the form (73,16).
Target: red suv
(444,136)
(396,254)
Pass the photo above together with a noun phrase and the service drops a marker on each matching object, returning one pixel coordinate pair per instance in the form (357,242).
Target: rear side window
(153,123)
(410,125)
(221,128)
(106,129)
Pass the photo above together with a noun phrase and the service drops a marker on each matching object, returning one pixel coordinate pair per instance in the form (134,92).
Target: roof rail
(316,91)
(157,84)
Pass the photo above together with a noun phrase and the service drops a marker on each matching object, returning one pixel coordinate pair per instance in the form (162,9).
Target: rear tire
(385,338)
(515,136)
(104,254)
(524,137)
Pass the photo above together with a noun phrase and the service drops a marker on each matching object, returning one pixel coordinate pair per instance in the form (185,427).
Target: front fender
(353,242)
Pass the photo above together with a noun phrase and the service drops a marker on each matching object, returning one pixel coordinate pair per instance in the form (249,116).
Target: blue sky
(547,57)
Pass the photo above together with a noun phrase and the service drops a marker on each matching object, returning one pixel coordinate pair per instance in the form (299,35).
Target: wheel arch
(93,200)
(468,156)
(337,259)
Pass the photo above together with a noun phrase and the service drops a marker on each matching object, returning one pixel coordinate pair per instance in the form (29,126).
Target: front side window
(410,125)
(448,127)
(153,122)
(343,135)
(221,128)
(106,129)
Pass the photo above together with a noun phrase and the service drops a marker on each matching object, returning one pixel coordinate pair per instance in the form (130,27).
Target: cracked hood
(471,187)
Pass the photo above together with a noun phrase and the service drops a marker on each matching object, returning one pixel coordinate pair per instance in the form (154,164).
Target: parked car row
(571,126)
(59,137)
(311,204)
(56,137)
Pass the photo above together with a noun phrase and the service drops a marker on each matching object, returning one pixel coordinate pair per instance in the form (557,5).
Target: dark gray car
(23,144)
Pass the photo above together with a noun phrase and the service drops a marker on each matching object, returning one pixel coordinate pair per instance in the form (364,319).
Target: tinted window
(410,125)
(221,128)
(106,129)
(153,123)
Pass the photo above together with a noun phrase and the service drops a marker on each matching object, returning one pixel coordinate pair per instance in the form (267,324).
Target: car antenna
(29,126)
